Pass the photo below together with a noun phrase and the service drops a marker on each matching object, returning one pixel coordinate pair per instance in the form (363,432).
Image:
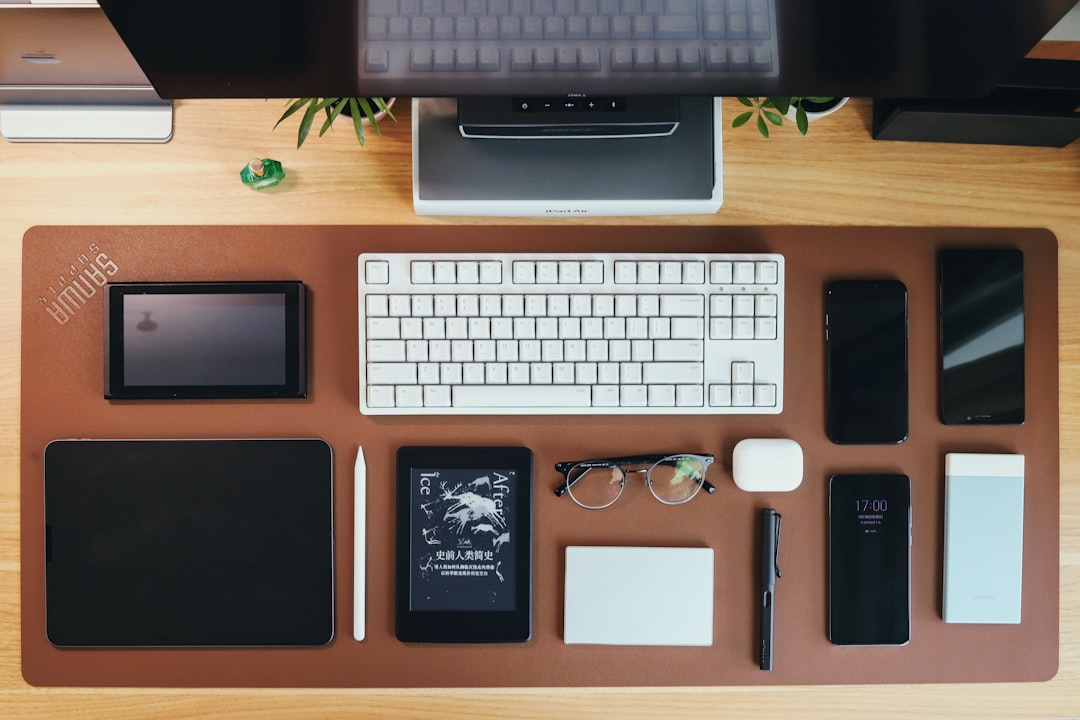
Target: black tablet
(464,544)
(174,543)
(205,340)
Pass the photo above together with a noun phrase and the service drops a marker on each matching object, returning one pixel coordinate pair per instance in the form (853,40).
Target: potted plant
(363,110)
(800,110)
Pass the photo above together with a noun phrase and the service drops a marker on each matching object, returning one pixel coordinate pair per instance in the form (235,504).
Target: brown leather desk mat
(62,380)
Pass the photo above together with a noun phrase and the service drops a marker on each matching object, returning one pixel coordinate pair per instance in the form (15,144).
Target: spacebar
(532,396)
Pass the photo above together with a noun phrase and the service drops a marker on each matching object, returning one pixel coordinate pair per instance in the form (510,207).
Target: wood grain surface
(837,175)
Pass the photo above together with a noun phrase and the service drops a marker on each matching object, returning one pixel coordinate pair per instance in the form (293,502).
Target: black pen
(768,572)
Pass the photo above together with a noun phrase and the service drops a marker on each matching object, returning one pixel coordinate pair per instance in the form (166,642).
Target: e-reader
(205,340)
(174,543)
(464,544)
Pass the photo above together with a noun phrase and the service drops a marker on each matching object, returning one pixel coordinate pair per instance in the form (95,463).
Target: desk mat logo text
(80,281)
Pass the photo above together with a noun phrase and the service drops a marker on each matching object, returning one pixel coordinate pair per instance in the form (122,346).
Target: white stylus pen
(359,543)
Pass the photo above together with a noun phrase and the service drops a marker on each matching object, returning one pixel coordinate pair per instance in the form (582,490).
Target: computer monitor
(416,48)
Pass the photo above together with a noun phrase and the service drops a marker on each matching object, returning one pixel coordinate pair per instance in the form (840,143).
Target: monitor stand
(85,114)
(678,173)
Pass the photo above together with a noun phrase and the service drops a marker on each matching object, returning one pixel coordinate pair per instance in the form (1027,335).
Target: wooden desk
(835,176)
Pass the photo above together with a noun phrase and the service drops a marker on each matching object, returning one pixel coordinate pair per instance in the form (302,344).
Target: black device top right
(981,306)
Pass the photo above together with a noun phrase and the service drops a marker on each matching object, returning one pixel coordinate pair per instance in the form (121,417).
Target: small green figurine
(262,173)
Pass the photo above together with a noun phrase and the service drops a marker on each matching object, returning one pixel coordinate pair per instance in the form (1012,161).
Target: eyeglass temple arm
(563,467)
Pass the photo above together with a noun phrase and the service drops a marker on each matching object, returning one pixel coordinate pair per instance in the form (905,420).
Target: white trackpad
(638,596)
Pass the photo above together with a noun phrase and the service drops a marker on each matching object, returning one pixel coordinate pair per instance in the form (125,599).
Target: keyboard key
(589,60)
(383,328)
(490,273)
(745,273)
(765,305)
(689,396)
(633,396)
(386,350)
(436,396)
(409,396)
(605,396)
(378,272)
(677,27)
(742,372)
(661,395)
(384,373)
(382,8)
(689,58)
(622,58)
(720,395)
(525,396)
(380,396)
(682,306)
(764,395)
(421,59)
(721,273)
(687,328)
(672,372)
(765,328)
(742,395)
(676,350)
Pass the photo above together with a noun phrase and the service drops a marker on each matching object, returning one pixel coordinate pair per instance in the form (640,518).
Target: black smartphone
(870,559)
(982,336)
(866,361)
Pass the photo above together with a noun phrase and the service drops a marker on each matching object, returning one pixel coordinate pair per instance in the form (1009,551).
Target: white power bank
(638,596)
(984,538)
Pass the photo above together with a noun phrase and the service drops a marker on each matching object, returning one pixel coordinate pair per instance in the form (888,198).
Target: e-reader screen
(205,340)
(464,544)
(171,543)
(463,538)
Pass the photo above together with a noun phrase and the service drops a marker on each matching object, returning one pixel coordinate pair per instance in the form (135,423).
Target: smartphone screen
(982,336)
(869,559)
(867,365)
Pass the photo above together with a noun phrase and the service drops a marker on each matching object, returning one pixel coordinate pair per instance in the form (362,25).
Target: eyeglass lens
(676,479)
(595,487)
(673,480)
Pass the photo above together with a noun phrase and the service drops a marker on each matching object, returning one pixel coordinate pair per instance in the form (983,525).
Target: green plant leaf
(745,101)
(781,104)
(357,120)
(773,117)
(332,112)
(295,105)
(820,100)
(762,127)
(381,103)
(370,113)
(741,119)
(801,120)
(306,121)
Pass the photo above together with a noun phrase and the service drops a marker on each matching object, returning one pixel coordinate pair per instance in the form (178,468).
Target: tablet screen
(205,340)
(189,542)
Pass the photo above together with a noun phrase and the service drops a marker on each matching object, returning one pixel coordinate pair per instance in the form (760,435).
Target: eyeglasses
(672,479)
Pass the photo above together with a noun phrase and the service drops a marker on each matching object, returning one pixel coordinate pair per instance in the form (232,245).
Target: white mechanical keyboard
(571,334)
